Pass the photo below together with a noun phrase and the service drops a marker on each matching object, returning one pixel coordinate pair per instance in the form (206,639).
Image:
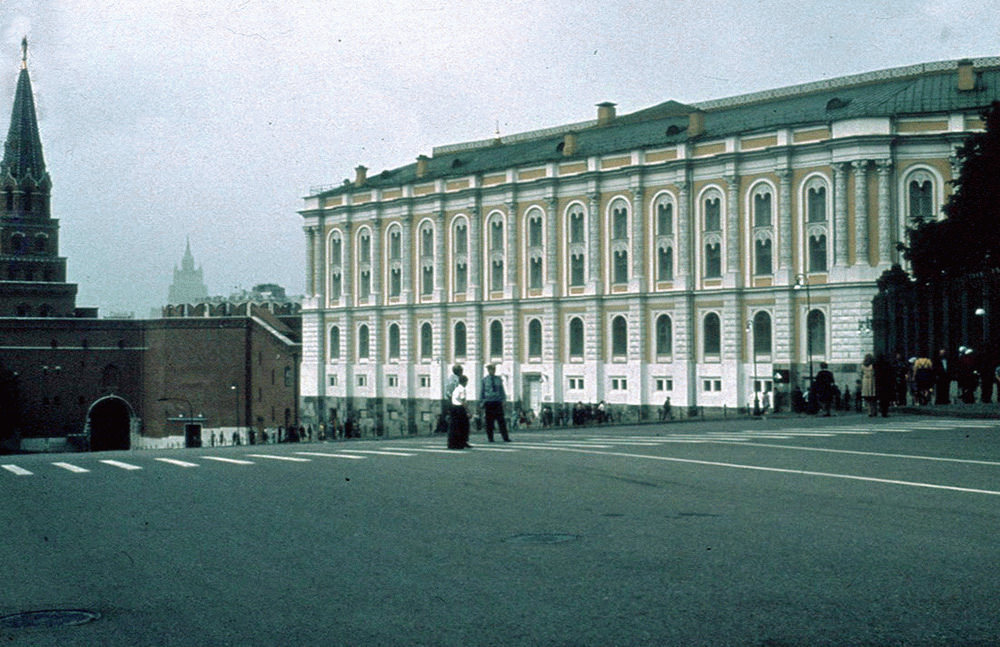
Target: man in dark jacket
(942,378)
(492,397)
(824,388)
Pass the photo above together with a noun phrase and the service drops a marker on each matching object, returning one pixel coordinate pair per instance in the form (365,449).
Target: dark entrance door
(109,425)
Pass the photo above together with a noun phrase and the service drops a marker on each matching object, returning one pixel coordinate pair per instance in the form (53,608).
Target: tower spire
(24,53)
(22,158)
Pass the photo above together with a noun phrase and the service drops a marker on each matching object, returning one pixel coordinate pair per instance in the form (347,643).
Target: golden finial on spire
(24,53)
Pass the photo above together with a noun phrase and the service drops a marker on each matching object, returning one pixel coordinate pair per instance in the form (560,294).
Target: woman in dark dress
(458,433)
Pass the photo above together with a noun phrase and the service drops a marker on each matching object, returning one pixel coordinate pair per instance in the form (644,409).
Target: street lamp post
(236,391)
(753,348)
(802,281)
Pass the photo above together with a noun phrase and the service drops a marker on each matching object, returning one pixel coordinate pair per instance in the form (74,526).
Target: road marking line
(375,451)
(778,470)
(433,451)
(357,458)
(567,443)
(493,449)
(234,461)
(71,467)
(280,458)
(174,461)
(14,469)
(888,455)
(121,465)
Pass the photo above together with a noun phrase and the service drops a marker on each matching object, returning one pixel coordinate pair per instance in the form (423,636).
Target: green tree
(968,240)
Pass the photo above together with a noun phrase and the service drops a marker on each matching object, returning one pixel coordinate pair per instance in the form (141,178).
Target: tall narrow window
(427,241)
(496,235)
(335,285)
(762,257)
(817,253)
(496,276)
(460,258)
(395,261)
(713,214)
(365,287)
(621,266)
(665,264)
(461,278)
(664,336)
(921,199)
(427,280)
(816,203)
(395,245)
(366,248)
(394,341)
(665,219)
(460,340)
(619,222)
(395,282)
(619,336)
(335,342)
(762,333)
(427,259)
(577,226)
(712,333)
(363,342)
(762,209)
(535,231)
(496,339)
(576,270)
(535,273)
(426,341)
(496,252)
(816,333)
(535,339)
(576,338)
(713,260)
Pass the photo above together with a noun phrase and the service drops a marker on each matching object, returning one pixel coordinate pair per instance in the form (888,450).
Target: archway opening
(109,425)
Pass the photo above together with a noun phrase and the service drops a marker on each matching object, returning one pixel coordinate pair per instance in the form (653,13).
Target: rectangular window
(365,289)
(333,380)
(362,380)
(393,381)
(713,261)
(619,384)
(664,384)
(461,278)
(427,285)
(496,276)
(335,286)
(576,270)
(395,282)
(621,267)
(575,383)
(717,385)
(425,381)
(535,274)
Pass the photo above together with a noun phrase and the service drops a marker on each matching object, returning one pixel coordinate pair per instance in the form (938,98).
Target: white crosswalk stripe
(331,455)
(174,461)
(280,458)
(14,469)
(377,452)
(223,459)
(72,468)
(121,465)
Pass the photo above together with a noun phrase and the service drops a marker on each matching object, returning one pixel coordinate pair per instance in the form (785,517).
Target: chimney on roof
(605,113)
(360,175)
(696,123)
(966,75)
(422,165)
(569,144)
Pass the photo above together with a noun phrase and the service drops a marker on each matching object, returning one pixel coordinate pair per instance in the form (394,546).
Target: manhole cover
(542,538)
(52,618)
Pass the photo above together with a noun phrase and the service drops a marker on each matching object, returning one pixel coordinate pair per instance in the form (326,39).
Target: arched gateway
(109,424)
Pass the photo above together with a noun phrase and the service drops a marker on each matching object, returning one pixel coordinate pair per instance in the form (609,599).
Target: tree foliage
(968,240)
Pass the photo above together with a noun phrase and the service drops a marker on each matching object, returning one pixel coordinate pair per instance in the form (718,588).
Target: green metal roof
(916,90)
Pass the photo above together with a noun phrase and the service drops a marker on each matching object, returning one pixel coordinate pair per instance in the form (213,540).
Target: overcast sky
(212,119)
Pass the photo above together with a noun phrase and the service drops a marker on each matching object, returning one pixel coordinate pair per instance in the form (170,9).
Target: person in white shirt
(458,431)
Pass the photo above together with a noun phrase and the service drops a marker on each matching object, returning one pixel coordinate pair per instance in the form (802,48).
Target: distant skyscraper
(188,286)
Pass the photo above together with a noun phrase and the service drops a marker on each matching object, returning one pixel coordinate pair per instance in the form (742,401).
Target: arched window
(920,195)
(576,250)
(762,333)
(363,342)
(496,339)
(619,243)
(395,261)
(335,342)
(395,244)
(712,332)
(619,336)
(816,333)
(426,259)
(496,249)
(394,341)
(364,263)
(460,340)
(426,341)
(535,339)
(713,213)
(535,251)
(664,218)
(461,256)
(762,208)
(336,250)
(816,203)
(576,338)
(664,336)
(619,220)
(535,229)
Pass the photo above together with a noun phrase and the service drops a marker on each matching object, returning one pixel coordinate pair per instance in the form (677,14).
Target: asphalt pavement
(774,532)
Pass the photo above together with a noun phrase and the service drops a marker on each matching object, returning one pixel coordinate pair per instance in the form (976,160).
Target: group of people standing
(491,397)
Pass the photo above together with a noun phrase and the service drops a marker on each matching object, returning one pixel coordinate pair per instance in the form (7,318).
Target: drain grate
(48,619)
(542,538)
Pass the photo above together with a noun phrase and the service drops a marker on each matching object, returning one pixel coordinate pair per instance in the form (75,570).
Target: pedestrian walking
(458,431)
(885,384)
(448,407)
(868,383)
(942,378)
(492,397)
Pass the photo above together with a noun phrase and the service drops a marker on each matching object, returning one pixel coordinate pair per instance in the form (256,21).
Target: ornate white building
(679,251)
